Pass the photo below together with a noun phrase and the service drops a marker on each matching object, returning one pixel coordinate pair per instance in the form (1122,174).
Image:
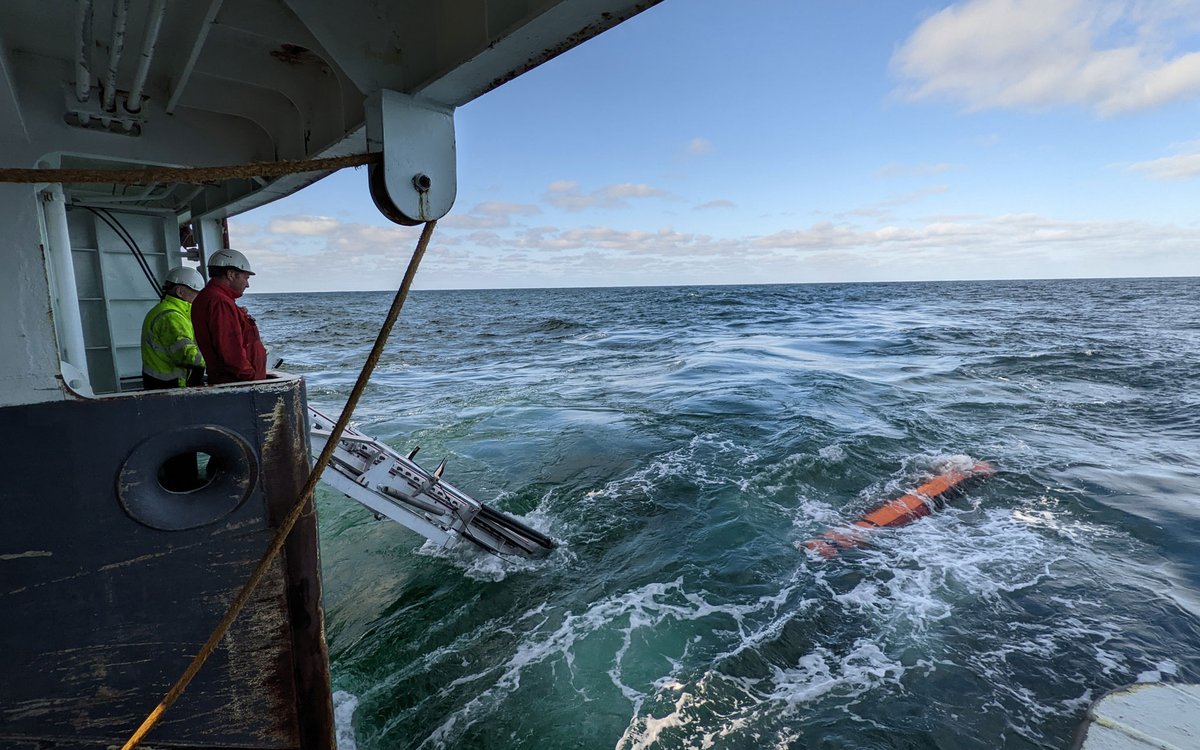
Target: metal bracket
(391,485)
(90,114)
(417,181)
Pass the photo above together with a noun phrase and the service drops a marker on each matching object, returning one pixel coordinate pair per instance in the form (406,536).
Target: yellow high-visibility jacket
(169,342)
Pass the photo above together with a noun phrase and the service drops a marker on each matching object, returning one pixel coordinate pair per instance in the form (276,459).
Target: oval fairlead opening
(187,477)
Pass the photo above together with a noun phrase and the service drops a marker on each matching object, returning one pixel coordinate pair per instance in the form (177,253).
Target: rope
(305,496)
(193,175)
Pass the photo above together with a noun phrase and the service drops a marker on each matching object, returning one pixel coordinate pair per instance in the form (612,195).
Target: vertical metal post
(67,320)
(209,238)
(115,48)
(133,102)
(83,52)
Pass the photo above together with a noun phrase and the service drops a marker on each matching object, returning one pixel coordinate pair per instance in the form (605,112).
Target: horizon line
(758,283)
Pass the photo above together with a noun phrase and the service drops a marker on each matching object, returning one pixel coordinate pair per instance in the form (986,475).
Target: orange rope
(194,175)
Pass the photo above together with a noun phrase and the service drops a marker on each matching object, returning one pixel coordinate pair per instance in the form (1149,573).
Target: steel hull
(102,612)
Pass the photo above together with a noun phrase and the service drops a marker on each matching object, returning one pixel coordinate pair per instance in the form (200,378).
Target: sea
(678,443)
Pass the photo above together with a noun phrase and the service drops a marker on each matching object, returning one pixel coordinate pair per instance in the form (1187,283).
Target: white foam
(902,591)
(917,577)
(1164,667)
(820,671)
(344,705)
(833,454)
(698,460)
(480,565)
(537,647)
(639,611)
(745,701)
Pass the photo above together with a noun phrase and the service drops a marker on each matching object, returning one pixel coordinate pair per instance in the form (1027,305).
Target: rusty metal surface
(286,440)
(608,20)
(102,612)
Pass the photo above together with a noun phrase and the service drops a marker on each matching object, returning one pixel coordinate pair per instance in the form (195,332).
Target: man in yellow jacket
(170,357)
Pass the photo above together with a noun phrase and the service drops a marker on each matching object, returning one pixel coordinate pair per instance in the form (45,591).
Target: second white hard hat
(189,277)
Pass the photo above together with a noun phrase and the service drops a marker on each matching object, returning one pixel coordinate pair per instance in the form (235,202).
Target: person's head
(184,283)
(230,269)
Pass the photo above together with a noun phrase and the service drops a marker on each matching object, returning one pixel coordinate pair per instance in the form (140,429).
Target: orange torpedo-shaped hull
(930,496)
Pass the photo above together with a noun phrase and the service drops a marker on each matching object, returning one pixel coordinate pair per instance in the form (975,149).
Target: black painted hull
(109,585)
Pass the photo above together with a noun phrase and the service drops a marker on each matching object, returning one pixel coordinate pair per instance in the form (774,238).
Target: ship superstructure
(110,577)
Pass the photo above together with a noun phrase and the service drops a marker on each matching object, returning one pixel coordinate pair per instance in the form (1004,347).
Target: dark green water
(677,442)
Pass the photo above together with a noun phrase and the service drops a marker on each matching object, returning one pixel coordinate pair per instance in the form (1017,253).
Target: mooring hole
(188,472)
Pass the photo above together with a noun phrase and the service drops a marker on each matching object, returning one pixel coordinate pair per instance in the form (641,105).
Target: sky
(780,141)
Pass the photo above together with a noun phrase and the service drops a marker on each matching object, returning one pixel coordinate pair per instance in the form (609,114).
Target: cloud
(997,247)
(302,225)
(1181,166)
(961,241)
(1112,56)
(249,229)
(715,205)
(363,256)
(1007,246)
(497,208)
(913,196)
(955,235)
(699,146)
(882,210)
(914,170)
(489,215)
(628,190)
(567,196)
(325,235)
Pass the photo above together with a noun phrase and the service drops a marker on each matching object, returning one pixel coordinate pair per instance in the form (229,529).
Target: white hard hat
(229,258)
(189,277)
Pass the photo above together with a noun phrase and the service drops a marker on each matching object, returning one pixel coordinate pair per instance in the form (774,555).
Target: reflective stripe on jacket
(168,342)
(228,337)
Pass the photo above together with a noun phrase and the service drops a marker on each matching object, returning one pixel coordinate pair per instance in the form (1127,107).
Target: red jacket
(227,337)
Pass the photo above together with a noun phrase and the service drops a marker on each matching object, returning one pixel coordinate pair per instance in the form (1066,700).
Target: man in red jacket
(226,334)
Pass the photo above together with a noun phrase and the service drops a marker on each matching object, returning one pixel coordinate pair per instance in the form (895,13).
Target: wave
(677,442)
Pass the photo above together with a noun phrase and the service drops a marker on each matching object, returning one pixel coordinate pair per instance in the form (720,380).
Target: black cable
(137,250)
(141,260)
(125,237)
